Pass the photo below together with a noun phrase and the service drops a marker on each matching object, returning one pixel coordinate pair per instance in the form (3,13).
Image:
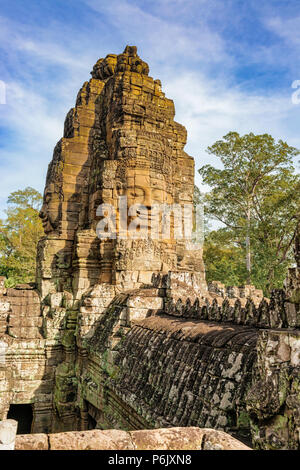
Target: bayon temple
(122,332)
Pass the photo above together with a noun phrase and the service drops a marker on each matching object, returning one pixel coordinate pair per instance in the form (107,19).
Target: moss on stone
(243,420)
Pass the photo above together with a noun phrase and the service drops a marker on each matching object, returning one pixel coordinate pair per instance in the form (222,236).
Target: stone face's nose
(147,198)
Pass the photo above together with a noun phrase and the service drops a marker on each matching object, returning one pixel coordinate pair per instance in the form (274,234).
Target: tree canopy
(256,198)
(19,234)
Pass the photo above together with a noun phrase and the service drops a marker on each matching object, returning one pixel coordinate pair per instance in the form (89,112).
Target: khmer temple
(123,333)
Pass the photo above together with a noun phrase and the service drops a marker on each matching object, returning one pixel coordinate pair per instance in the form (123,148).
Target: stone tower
(119,140)
(120,143)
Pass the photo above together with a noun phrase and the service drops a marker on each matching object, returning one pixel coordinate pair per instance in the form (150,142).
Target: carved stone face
(144,188)
(146,196)
(51,209)
(141,187)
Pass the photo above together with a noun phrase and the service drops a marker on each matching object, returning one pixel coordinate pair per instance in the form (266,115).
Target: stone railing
(184,296)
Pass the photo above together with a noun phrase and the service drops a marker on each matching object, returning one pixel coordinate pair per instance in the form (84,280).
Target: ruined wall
(273,399)
(180,373)
(27,360)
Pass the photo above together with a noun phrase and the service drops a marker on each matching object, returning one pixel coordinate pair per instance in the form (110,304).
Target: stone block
(91,440)
(8,430)
(32,442)
(143,302)
(4,306)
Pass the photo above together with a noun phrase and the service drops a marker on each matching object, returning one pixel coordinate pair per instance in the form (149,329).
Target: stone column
(8,431)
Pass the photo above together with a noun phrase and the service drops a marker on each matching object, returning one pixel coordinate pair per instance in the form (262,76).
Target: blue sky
(227,64)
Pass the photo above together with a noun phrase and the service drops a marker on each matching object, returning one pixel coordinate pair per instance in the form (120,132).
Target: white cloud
(211,108)
(286,28)
(162,39)
(33,131)
(284,48)
(32,115)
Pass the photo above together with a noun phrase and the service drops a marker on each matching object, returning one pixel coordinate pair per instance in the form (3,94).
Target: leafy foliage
(224,259)
(19,235)
(256,197)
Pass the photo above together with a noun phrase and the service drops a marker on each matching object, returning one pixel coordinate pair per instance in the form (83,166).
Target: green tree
(198,203)
(19,235)
(256,196)
(224,258)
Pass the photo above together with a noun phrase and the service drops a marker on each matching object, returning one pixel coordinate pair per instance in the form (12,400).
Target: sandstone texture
(121,339)
(156,439)
(8,429)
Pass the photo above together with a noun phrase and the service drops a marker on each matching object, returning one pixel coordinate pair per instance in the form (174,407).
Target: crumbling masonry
(125,333)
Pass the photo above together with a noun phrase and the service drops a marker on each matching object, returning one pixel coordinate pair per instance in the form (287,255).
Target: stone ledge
(191,438)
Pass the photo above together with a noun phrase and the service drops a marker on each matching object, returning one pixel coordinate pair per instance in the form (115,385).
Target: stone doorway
(23,414)
(92,423)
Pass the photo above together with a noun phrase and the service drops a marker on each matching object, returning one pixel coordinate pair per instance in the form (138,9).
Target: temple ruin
(124,333)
